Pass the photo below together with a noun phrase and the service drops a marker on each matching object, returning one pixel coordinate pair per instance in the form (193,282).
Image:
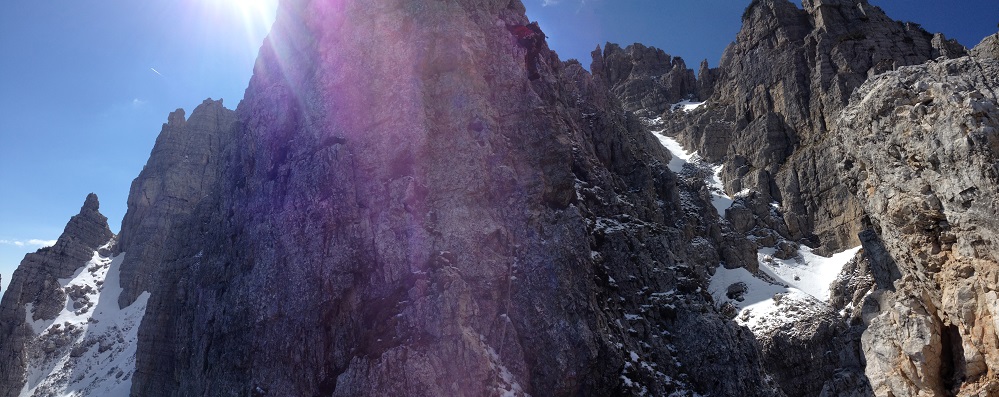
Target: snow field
(88,349)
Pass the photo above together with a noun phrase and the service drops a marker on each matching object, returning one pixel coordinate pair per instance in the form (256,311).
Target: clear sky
(85,85)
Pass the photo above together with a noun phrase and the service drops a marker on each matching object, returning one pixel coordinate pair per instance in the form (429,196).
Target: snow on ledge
(686,105)
(681,157)
(800,283)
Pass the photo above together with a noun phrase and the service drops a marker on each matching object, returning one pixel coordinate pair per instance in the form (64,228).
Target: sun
(252,17)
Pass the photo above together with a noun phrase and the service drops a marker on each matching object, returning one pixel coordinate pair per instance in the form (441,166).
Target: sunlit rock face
(900,169)
(923,158)
(776,96)
(402,212)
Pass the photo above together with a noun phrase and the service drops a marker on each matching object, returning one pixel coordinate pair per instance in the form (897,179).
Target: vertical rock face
(777,92)
(645,79)
(35,293)
(923,158)
(182,170)
(402,212)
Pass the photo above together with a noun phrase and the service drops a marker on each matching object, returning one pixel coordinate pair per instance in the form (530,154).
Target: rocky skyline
(92,103)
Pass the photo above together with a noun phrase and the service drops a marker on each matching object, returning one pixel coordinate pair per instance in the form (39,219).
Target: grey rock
(987,48)
(776,96)
(423,220)
(35,282)
(883,267)
(646,80)
(182,170)
(922,146)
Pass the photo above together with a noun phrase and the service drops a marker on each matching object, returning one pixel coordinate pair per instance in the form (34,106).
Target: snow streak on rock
(683,159)
(783,291)
(89,348)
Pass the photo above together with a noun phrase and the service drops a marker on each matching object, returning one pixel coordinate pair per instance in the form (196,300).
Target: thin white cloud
(158,72)
(579,3)
(41,243)
(30,243)
(137,102)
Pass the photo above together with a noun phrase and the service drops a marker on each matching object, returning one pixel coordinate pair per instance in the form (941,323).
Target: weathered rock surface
(988,48)
(776,95)
(772,121)
(922,146)
(182,170)
(35,292)
(646,80)
(403,213)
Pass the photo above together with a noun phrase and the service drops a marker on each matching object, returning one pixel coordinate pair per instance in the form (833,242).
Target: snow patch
(510,386)
(686,105)
(88,349)
(799,284)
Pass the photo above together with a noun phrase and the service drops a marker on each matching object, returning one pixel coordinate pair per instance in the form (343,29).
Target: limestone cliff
(182,170)
(776,96)
(404,213)
(922,147)
(772,121)
(646,80)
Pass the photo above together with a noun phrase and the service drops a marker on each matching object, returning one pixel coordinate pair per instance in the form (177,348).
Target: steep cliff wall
(402,212)
(646,80)
(922,148)
(182,170)
(773,123)
(777,93)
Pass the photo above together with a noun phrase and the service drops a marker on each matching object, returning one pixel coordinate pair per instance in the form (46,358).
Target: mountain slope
(41,292)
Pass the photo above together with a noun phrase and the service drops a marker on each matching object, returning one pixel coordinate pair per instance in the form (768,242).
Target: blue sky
(85,85)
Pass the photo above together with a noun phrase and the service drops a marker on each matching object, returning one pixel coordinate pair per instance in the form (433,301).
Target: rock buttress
(403,213)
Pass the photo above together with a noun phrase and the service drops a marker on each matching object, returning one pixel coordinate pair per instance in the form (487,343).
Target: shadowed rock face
(401,212)
(182,170)
(36,283)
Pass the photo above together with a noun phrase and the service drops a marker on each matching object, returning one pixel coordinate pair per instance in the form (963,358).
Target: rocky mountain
(450,239)
(38,313)
(782,124)
(182,170)
(405,213)
(777,93)
(645,79)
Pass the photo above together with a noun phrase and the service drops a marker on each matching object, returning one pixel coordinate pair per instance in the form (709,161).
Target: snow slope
(799,284)
(804,279)
(89,348)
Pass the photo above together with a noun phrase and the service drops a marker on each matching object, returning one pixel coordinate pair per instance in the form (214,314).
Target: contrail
(156,71)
